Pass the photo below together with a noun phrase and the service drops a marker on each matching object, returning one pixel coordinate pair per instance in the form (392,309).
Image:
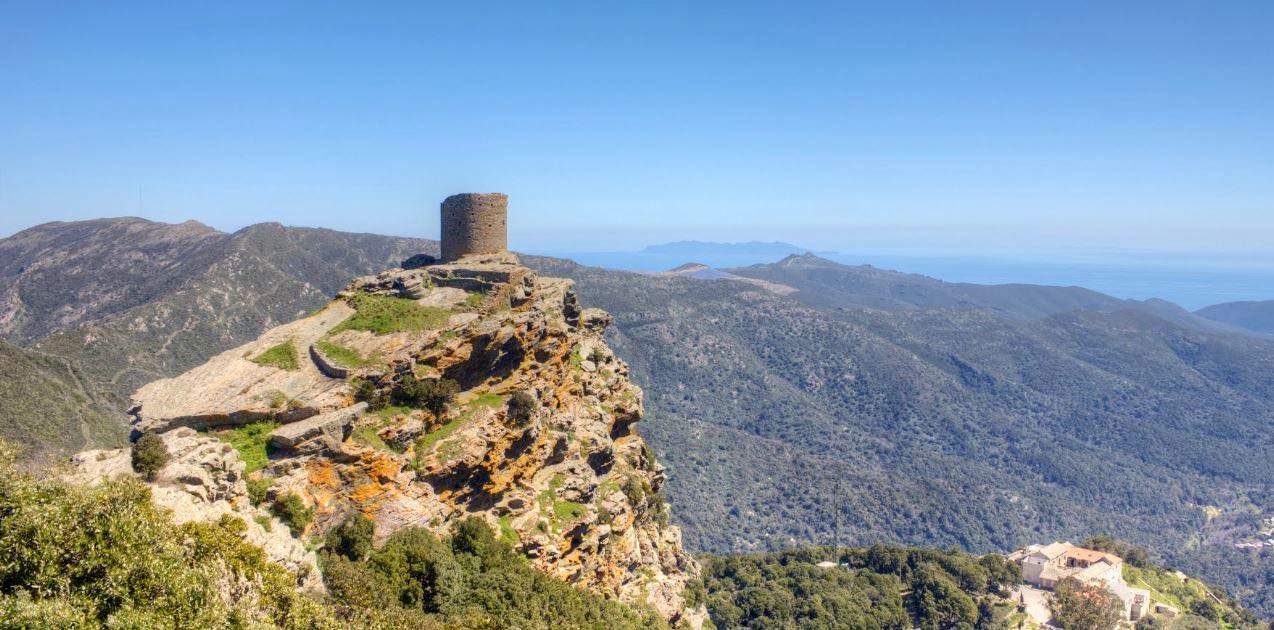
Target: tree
(1077,606)
(522,406)
(352,539)
(150,455)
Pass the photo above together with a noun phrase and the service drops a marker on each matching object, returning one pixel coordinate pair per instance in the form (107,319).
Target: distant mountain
(692,249)
(106,306)
(224,293)
(1254,316)
(822,283)
(983,417)
(889,406)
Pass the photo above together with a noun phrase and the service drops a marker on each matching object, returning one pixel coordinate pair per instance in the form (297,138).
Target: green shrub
(522,407)
(435,395)
(103,555)
(149,455)
(471,579)
(290,509)
(352,539)
(282,356)
(366,391)
(258,489)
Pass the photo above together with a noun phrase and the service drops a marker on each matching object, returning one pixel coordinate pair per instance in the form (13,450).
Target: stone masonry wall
(474,223)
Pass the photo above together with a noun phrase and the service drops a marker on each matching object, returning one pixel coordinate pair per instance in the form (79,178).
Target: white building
(1046,565)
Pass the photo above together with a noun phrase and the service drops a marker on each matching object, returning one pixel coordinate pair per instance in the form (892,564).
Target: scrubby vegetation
(99,556)
(352,539)
(1210,605)
(290,509)
(382,315)
(432,394)
(470,579)
(149,455)
(878,587)
(522,407)
(257,489)
(282,356)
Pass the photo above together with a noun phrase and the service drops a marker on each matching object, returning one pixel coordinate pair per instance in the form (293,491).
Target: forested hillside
(947,425)
(985,420)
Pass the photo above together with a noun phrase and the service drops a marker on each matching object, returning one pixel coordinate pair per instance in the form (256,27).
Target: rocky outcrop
(333,426)
(539,441)
(203,481)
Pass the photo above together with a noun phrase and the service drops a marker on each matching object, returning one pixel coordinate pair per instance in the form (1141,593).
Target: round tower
(474,223)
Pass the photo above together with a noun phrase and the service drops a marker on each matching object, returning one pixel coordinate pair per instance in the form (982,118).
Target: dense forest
(877,587)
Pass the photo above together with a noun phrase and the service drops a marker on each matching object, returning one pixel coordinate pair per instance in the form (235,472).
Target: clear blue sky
(945,124)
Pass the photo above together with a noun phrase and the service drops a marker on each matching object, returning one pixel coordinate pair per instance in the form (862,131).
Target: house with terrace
(1044,566)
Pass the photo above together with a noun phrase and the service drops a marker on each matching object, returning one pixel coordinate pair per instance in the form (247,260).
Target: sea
(1192,281)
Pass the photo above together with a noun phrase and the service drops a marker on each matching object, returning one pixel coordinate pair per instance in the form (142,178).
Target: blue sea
(1190,280)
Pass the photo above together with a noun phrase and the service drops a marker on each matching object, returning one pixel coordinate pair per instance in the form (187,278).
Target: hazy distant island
(777,249)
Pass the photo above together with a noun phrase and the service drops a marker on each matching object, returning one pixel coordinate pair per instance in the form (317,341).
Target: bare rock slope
(536,436)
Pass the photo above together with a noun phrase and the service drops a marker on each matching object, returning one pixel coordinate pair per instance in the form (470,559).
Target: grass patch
(448,450)
(474,299)
(429,440)
(264,522)
(392,411)
(278,399)
(567,511)
(382,315)
(1165,587)
(507,533)
(485,399)
(577,359)
(250,441)
(282,356)
(367,436)
(346,357)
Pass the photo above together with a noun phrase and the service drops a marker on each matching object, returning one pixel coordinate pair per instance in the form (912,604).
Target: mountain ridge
(1005,406)
(1255,316)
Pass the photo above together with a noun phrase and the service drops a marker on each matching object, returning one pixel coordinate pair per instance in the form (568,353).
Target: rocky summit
(419,397)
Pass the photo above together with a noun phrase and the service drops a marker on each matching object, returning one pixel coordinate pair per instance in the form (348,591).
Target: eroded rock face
(203,481)
(561,474)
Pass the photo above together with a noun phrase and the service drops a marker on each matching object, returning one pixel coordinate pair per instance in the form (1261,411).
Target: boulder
(335,425)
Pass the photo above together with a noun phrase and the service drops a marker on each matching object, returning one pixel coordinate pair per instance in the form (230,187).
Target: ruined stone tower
(474,223)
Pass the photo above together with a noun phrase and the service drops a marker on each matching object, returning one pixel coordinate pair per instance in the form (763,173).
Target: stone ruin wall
(474,223)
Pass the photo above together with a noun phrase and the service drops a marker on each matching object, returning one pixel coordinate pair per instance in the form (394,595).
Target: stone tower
(474,223)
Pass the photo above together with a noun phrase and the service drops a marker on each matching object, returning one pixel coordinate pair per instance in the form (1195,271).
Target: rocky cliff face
(426,395)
